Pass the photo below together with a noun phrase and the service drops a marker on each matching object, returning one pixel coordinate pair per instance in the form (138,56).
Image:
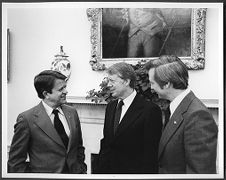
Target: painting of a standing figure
(146,32)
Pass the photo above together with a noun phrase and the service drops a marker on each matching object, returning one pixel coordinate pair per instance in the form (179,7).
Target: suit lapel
(174,122)
(169,130)
(71,124)
(111,116)
(44,122)
(130,116)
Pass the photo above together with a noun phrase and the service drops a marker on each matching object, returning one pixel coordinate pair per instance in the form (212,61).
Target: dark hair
(124,71)
(169,68)
(45,80)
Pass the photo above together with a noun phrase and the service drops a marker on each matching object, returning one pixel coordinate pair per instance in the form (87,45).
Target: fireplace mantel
(210,103)
(89,112)
(82,100)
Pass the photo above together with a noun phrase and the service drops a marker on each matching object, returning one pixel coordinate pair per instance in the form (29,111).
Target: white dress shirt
(62,117)
(127,102)
(176,102)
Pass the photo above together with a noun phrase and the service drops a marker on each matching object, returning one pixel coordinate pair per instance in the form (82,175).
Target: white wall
(205,82)
(36,35)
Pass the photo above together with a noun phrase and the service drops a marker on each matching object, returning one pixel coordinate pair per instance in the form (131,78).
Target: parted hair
(45,80)
(124,71)
(169,68)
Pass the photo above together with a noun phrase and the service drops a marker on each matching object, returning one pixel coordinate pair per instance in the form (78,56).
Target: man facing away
(132,127)
(189,140)
(49,133)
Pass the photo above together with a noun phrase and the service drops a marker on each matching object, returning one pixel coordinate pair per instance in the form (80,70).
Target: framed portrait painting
(142,34)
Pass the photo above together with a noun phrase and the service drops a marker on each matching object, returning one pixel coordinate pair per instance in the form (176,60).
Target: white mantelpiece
(210,103)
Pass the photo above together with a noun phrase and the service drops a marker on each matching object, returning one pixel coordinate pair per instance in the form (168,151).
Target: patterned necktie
(60,128)
(118,114)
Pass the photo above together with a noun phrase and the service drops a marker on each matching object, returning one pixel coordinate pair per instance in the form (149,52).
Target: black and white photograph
(112,90)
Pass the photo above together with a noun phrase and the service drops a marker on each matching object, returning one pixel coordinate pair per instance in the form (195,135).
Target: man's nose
(109,84)
(152,90)
(65,91)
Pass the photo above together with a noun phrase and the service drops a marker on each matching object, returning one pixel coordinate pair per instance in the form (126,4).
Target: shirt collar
(175,103)
(49,109)
(128,100)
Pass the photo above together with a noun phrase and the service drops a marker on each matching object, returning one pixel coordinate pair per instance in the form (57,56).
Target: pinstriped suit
(189,140)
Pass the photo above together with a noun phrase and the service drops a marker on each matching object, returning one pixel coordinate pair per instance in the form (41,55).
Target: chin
(160,97)
(113,94)
(64,101)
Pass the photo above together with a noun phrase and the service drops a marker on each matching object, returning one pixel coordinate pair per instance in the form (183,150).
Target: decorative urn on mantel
(61,63)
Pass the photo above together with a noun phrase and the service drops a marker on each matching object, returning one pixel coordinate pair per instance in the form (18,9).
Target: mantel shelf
(82,100)
(210,103)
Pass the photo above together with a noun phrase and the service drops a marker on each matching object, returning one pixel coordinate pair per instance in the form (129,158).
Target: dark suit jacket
(35,135)
(189,140)
(134,147)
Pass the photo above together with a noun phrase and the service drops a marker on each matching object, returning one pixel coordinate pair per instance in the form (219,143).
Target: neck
(175,93)
(127,93)
(50,104)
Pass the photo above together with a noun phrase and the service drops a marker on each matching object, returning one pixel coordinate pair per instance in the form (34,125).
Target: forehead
(151,73)
(59,83)
(113,77)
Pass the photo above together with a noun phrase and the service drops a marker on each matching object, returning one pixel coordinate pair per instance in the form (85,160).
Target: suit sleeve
(19,147)
(102,162)
(152,134)
(105,131)
(200,143)
(81,150)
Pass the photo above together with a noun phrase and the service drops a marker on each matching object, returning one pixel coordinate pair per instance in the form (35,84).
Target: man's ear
(45,94)
(127,82)
(167,85)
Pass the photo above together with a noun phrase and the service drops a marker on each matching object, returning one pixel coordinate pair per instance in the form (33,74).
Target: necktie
(60,128)
(167,116)
(118,114)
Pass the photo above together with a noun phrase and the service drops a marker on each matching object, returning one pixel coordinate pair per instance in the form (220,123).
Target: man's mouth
(63,97)
(111,90)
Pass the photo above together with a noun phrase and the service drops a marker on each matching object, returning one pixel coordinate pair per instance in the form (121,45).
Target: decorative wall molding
(211,103)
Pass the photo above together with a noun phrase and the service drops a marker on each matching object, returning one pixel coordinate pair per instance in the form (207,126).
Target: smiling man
(49,134)
(188,144)
(132,127)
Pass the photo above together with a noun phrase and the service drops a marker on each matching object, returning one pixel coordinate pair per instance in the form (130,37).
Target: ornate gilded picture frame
(8,55)
(180,32)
